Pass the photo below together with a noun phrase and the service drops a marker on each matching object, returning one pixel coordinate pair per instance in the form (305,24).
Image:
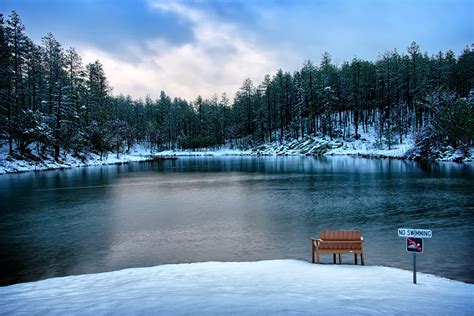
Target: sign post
(414,268)
(414,242)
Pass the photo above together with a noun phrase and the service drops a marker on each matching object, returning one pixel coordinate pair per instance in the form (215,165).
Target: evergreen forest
(51,103)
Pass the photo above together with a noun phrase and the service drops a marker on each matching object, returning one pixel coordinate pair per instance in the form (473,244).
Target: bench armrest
(315,241)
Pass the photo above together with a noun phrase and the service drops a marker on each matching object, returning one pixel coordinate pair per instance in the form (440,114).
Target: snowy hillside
(266,287)
(9,164)
(366,146)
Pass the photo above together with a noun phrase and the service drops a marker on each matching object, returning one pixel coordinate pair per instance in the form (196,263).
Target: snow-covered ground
(310,145)
(365,146)
(8,165)
(264,288)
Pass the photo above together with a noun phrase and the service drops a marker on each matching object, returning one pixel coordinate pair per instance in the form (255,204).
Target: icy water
(88,220)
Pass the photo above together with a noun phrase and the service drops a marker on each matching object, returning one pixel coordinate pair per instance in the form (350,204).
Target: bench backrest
(342,235)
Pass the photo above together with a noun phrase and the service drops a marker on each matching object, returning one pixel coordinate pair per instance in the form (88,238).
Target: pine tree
(74,129)
(97,93)
(248,91)
(16,40)
(5,87)
(465,72)
(308,77)
(56,77)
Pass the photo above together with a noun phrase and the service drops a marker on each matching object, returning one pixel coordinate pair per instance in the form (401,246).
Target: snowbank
(204,152)
(366,146)
(8,165)
(265,287)
(310,145)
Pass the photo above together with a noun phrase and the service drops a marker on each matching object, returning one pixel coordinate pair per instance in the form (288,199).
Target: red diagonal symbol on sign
(414,244)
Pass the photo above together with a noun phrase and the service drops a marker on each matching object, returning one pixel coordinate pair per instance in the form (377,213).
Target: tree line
(51,102)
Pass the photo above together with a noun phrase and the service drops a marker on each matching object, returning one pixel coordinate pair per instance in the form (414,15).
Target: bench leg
(355,258)
(317,256)
(340,259)
(362,258)
(334,258)
(312,251)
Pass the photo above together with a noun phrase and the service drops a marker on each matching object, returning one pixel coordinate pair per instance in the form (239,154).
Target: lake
(194,209)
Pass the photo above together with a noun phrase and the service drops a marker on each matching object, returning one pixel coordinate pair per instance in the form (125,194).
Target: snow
(317,145)
(276,287)
(204,152)
(365,146)
(310,145)
(137,153)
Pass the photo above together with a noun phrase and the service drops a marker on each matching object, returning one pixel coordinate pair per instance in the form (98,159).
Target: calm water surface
(88,220)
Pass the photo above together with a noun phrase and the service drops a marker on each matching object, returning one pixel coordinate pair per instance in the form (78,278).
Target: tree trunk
(356,124)
(57,131)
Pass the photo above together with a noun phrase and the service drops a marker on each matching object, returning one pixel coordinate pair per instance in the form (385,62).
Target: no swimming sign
(414,242)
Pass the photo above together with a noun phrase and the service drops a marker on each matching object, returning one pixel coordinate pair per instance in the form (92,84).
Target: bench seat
(338,242)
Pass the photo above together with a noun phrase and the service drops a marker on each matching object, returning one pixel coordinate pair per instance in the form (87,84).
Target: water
(88,220)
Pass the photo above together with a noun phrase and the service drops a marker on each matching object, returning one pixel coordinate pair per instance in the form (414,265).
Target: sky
(205,47)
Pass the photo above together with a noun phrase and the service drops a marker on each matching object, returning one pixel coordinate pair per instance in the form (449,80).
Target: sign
(417,233)
(415,244)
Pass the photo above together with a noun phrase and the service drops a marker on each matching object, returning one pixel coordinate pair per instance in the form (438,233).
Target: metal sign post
(414,242)
(414,268)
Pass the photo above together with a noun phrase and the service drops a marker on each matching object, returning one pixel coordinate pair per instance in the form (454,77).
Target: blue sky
(204,47)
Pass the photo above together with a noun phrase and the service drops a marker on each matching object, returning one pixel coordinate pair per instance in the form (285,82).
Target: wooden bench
(338,242)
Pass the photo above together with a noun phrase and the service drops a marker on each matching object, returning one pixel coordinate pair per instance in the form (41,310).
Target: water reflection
(230,209)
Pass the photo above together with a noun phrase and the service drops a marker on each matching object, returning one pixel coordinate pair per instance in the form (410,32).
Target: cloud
(218,58)
(228,41)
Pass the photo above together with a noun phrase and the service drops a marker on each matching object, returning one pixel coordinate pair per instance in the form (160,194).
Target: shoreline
(23,166)
(315,146)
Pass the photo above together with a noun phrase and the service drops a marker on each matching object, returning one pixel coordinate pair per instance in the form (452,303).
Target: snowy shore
(9,165)
(275,287)
(366,146)
(308,146)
